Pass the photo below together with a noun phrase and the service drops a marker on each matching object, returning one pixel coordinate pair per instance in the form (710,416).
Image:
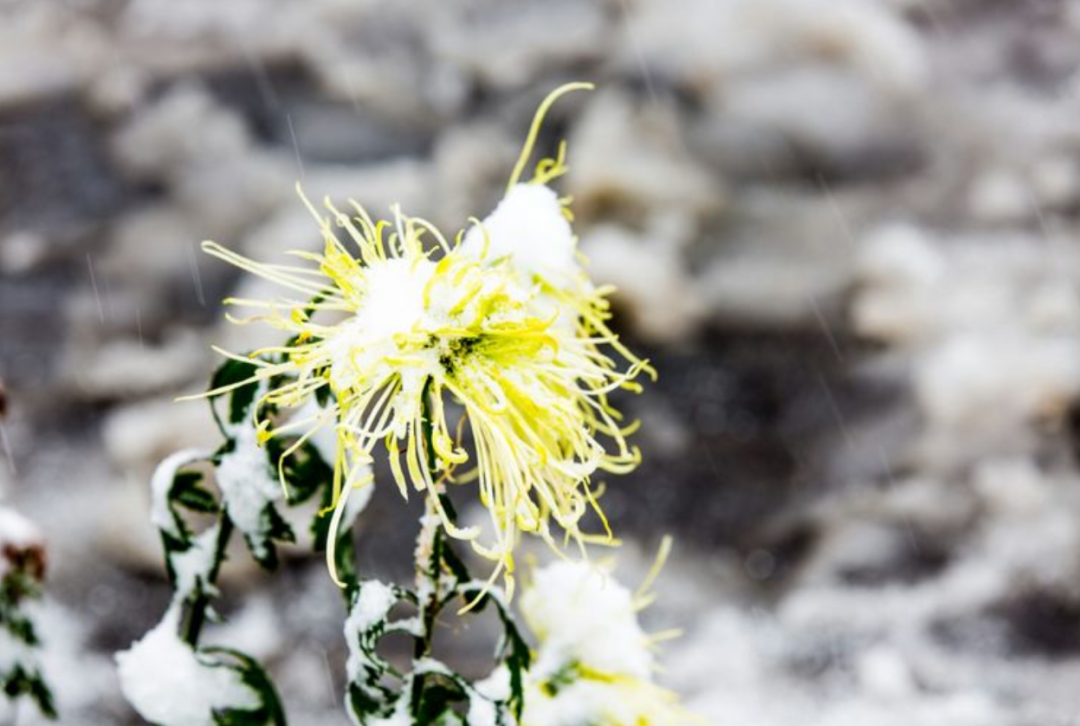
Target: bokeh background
(847,232)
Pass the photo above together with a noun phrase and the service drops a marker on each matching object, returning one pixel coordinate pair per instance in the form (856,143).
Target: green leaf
(518,658)
(345,552)
(269,712)
(276,528)
(455,565)
(18,625)
(512,649)
(236,717)
(22,682)
(320,525)
(18,585)
(186,492)
(305,471)
(280,530)
(42,696)
(369,693)
(240,399)
(264,552)
(364,703)
(438,695)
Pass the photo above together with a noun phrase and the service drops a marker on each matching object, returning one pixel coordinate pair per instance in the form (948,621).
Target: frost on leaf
(594,664)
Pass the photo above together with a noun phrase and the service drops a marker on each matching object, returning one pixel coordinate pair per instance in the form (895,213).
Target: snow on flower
(395,321)
(583,615)
(594,662)
(603,700)
(529,227)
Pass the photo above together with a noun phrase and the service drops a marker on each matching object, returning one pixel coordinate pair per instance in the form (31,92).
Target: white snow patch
(581,702)
(393,300)
(160,484)
(373,604)
(17,533)
(15,653)
(194,564)
(248,484)
(581,614)
(482,712)
(166,682)
(529,227)
(496,686)
(392,303)
(256,630)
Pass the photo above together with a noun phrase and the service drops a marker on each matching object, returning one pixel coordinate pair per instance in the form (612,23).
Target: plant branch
(429,544)
(196,616)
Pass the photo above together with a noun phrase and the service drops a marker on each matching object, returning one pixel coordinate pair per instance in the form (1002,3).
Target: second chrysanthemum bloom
(393,320)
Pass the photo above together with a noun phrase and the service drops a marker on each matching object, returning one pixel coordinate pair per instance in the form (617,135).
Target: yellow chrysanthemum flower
(395,321)
(594,664)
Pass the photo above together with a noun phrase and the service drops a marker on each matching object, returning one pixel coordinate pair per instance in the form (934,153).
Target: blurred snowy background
(846,231)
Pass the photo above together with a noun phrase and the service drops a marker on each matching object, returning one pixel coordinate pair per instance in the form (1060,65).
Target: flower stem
(429,546)
(196,616)
(428,568)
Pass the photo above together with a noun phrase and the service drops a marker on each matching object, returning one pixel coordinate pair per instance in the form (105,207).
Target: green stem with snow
(429,550)
(196,616)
